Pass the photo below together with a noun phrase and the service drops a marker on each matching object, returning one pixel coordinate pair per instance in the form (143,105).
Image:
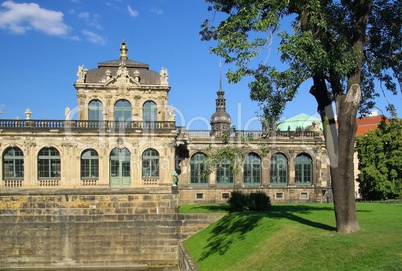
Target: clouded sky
(43,42)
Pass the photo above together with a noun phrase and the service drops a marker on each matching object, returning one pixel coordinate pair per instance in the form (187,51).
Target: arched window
(122,110)
(95,110)
(49,163)
(13,164)
(252,169)
(89,164)
(149,111)
(224,173)
(150,164)
(197,168)
(120,167)
(303,169)
(279,169)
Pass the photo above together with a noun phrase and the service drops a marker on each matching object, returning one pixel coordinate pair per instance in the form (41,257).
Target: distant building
(364,125)
(126,136)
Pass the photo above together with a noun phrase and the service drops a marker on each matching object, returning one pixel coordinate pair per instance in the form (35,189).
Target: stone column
(291,168)
(265,172)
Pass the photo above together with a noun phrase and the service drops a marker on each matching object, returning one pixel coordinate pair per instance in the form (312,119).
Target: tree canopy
(328,41)
(343,47)
(380,162)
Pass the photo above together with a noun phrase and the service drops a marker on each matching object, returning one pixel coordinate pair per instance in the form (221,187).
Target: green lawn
(298,237)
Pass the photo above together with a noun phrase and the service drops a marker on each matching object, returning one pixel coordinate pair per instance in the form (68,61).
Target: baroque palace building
(125,135)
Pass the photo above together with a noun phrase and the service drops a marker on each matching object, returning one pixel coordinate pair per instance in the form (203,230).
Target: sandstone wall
(93,227)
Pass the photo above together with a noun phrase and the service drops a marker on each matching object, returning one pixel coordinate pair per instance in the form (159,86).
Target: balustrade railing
(150,181)
(12,183)
(86,124)
(89,182)
(247,133)
(48,183)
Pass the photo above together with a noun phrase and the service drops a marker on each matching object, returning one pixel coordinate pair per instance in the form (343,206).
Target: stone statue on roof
(67,113)
(164,75)
(81,74)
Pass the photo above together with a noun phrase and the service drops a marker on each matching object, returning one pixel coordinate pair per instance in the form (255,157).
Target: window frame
(150,164)
(91,164)
(49,163)
(252,170)
(279,173)
(122,110)
(13,157)
(95,110)
(303,169)
(225,171)
(149,111)
(196,169)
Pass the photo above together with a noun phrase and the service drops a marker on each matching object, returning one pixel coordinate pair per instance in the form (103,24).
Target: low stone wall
(87,228)
(186,262)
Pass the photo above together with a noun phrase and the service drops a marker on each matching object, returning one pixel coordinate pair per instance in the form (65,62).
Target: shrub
(241,202)
(260,201)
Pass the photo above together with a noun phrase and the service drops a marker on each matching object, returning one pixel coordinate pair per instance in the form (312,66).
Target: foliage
(239,201)
(380,163)
(341,47)
(321,43)
(260,201)
(285,237)
(255,201)
(232,153)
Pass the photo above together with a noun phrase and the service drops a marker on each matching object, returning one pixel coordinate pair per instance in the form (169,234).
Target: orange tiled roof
(367,124)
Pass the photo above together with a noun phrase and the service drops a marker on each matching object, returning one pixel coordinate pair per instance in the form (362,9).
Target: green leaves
(336,41)
(380,163)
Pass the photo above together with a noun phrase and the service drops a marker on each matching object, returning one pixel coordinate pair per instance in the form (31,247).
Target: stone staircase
(195,222)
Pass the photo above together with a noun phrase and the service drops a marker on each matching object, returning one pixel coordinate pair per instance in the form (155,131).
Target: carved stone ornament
(164,75)
(81,74)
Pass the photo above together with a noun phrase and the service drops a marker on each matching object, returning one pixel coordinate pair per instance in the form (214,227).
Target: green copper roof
(299,121)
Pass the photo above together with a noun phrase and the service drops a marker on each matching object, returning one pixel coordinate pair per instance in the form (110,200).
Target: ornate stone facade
(125,135)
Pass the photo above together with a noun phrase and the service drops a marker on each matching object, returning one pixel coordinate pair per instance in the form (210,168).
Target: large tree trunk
(342,170)
(340,139)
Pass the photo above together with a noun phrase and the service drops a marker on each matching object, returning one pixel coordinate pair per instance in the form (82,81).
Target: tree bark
(340,149)
(342,173)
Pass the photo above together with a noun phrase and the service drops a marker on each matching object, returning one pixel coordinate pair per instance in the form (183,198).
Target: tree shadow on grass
(235,226)
(220,208)
(291,213)
(228,229)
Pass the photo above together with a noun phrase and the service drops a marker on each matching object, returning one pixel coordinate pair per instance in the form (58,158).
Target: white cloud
(157,11)
(83,15)
(93,37)
(20,18)
(90,19)
(132,12)
(75,38)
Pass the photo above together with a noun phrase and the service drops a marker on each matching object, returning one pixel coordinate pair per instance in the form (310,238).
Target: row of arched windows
(49,164)
(122,110)
(252,170)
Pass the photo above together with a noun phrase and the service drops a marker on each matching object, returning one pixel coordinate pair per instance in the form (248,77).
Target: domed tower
(220,120)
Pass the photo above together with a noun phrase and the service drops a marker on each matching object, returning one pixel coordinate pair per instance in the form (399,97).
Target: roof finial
(123,50)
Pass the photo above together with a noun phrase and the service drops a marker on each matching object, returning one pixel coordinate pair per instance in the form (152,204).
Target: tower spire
(220,74)
(220,120)
(123,50)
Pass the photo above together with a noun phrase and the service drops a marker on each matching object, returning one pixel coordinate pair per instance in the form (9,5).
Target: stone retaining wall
(95,227)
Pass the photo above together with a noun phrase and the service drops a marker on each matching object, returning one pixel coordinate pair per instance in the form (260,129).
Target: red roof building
(368,123)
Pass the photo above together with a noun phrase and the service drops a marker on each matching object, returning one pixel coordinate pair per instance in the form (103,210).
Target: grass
(204,208)
(298,237)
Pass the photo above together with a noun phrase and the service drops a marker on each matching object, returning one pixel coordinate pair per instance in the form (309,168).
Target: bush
(259,201)
(241,202)
(238,202)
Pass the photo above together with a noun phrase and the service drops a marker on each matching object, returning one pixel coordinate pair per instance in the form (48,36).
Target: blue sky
(43,42)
